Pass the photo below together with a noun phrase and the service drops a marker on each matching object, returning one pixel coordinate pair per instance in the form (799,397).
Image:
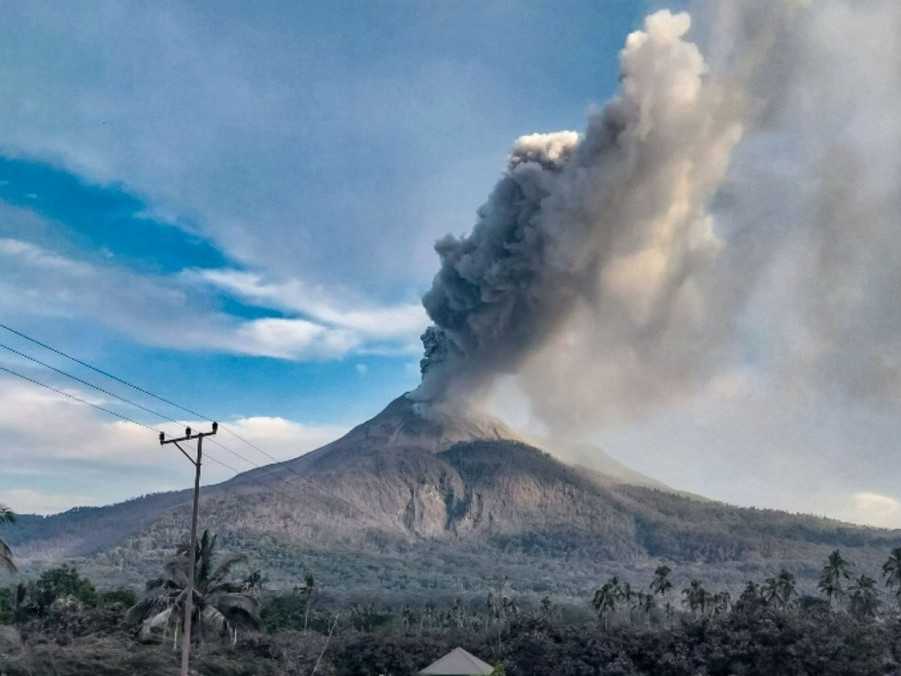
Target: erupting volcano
(598,276)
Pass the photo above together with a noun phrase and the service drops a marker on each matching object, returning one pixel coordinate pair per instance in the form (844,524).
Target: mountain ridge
(417,487)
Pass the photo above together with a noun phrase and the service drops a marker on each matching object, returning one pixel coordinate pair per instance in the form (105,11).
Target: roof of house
(458,662)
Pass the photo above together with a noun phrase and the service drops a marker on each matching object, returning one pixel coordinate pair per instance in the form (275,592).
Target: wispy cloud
(40,259)
(40,281)
(405,321)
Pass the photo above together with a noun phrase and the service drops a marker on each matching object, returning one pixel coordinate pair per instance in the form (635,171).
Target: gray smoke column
(589,263)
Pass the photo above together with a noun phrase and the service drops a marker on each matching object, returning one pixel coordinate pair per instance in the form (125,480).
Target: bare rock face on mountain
(425,497)
(424,471)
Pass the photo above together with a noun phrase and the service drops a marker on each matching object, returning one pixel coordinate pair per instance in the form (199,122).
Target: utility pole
(192,554)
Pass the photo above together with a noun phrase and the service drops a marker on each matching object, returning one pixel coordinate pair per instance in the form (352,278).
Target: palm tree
(309,587)
(787,588)
(769,591)
(6,554)
(834,571)
(646,604)
(662,585)
(780,589)
(695,597)
(547,607)
(219,604)
(864,597)
(628,596)
(255,583)
(721,602)
(891,571)
(606,599)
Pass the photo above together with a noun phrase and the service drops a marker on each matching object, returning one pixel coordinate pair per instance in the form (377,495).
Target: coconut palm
(255,583)
(662,585)
(834,571)
(780,589)
(547,607)
(646,604)
(628,596)
(606,599)
(695,597)
(891,571)
(864,597)
(721,602)
(6,554)
(769,591)
(309,588)
(788,589)
(220,605)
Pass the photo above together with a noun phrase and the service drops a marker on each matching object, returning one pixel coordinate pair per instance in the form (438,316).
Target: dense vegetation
(59,624)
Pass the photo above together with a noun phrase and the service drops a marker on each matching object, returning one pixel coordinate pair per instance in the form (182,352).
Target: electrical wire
(103,409)
(135,387)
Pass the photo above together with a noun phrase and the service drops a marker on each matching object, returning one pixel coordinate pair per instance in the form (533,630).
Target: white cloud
(290,339)
(38,281)
(401,321)
(46,436)
(27,501)
(286,169)
(39,258)
(282,438)
(874,509)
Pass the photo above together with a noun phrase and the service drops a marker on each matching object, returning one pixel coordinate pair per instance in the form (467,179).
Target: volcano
(422,498)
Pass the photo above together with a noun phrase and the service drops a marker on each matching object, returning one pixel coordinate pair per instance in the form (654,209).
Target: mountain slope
(419,493)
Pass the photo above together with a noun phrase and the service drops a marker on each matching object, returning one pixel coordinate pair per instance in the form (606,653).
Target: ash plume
(717,214)
(593,243)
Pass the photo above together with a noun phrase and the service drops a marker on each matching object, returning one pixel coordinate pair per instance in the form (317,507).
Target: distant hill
(419,500)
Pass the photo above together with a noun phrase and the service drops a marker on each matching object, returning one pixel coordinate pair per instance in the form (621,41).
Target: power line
(75,398)
(252,445)
(158,397)
(103,409)
(102,372)
(124,400)
(88,383)
(255,479)
(133,386)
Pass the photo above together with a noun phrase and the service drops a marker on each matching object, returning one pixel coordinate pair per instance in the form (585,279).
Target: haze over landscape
(699,281)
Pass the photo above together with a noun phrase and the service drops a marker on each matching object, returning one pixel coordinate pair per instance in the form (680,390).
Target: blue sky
(235,205)
(235,208)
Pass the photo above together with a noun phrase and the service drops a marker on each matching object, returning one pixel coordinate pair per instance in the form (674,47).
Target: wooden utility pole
(192,553)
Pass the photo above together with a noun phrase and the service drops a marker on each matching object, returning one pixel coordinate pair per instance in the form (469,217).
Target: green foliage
(606,598)
(62,583)
(891,572)
(219,604)
(864,598)
(780,590)
(770,628)
(122,598)
(283,612)
(835,572)
(753,636)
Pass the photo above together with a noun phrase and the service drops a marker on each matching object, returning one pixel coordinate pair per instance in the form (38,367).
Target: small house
(458,662)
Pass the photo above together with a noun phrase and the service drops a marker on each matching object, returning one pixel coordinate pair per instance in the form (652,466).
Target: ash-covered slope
(403,425)
(418,487)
